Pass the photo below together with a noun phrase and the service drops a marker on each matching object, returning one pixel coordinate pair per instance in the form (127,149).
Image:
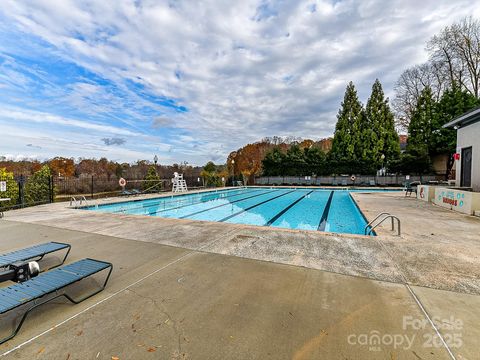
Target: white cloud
(244,71)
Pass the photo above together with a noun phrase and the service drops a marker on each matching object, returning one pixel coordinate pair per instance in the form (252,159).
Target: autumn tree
(62,166)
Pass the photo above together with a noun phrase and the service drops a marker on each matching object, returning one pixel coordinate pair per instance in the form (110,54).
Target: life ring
(352,177)
(122,182)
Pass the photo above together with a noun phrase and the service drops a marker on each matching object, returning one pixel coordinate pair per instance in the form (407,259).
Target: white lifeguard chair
(178,183)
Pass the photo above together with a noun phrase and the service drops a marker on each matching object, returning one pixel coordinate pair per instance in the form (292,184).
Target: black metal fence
(21,191)
(25,191)
(94,187)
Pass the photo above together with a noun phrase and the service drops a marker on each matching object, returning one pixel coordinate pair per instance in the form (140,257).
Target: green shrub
(12,189)
(37,187)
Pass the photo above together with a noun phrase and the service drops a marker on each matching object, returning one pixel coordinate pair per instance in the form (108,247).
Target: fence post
(50,188)
(91,188)
(21,191)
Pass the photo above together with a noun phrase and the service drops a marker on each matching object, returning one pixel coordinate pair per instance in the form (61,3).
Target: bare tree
(409,86)
(454,59)
(456,51)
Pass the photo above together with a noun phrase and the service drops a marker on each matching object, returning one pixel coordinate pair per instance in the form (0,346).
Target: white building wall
(469,136)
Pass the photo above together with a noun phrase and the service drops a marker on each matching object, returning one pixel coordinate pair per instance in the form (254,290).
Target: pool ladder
(78,202)
(386,215)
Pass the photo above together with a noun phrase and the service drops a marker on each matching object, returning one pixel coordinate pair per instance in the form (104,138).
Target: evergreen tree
(347,138)
(379,135)
(453,103)
(273,163)
(295,161)
(423,122)
(314,161)
(152,180)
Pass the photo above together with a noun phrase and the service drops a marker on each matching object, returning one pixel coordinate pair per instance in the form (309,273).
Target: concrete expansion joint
(417,301)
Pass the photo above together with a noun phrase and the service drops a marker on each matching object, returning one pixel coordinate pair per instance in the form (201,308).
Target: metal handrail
(393,217)
(376,217)
(75,202)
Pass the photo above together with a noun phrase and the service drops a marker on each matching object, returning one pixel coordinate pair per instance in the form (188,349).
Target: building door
(466,176)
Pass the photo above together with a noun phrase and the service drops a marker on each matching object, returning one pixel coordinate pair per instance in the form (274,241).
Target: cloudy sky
(192,81)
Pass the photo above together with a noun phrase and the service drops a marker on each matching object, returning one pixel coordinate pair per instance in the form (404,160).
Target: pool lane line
(254,206)
(178,207)
(181,198)
(275,218)
(160,197)
(200,202)
(323,219)
(233,202)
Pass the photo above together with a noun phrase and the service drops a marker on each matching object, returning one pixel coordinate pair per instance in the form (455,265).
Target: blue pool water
(299,208)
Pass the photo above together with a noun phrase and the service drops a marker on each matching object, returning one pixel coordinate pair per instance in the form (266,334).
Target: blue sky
(192,82)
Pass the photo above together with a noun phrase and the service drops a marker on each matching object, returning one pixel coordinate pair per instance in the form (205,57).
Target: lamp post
(155,160)
(233,172)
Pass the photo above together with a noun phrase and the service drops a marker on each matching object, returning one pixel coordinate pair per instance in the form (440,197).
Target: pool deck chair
(411,187)
(34,292)
(35,253)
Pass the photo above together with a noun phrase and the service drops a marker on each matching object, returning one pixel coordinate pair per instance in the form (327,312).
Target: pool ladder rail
(386,215)
(79,202)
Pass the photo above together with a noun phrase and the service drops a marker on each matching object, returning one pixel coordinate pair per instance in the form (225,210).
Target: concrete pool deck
(223,291)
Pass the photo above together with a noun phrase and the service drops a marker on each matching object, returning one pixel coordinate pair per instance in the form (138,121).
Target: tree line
(364,141)
(99,168)
(427,96)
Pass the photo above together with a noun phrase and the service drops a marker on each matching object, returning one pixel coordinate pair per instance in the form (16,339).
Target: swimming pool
(291,208)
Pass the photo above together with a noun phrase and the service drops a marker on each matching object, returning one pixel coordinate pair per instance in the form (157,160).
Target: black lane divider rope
(272,220)
(254,206)
(323,219)
(235,193)
(233,202)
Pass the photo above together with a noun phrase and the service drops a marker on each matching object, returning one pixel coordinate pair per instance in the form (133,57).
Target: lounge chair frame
(36,303)
(36,257)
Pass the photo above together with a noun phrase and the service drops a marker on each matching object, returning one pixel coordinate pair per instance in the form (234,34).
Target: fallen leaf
(115,358)
(42,349)
(151,349)
(80,333)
